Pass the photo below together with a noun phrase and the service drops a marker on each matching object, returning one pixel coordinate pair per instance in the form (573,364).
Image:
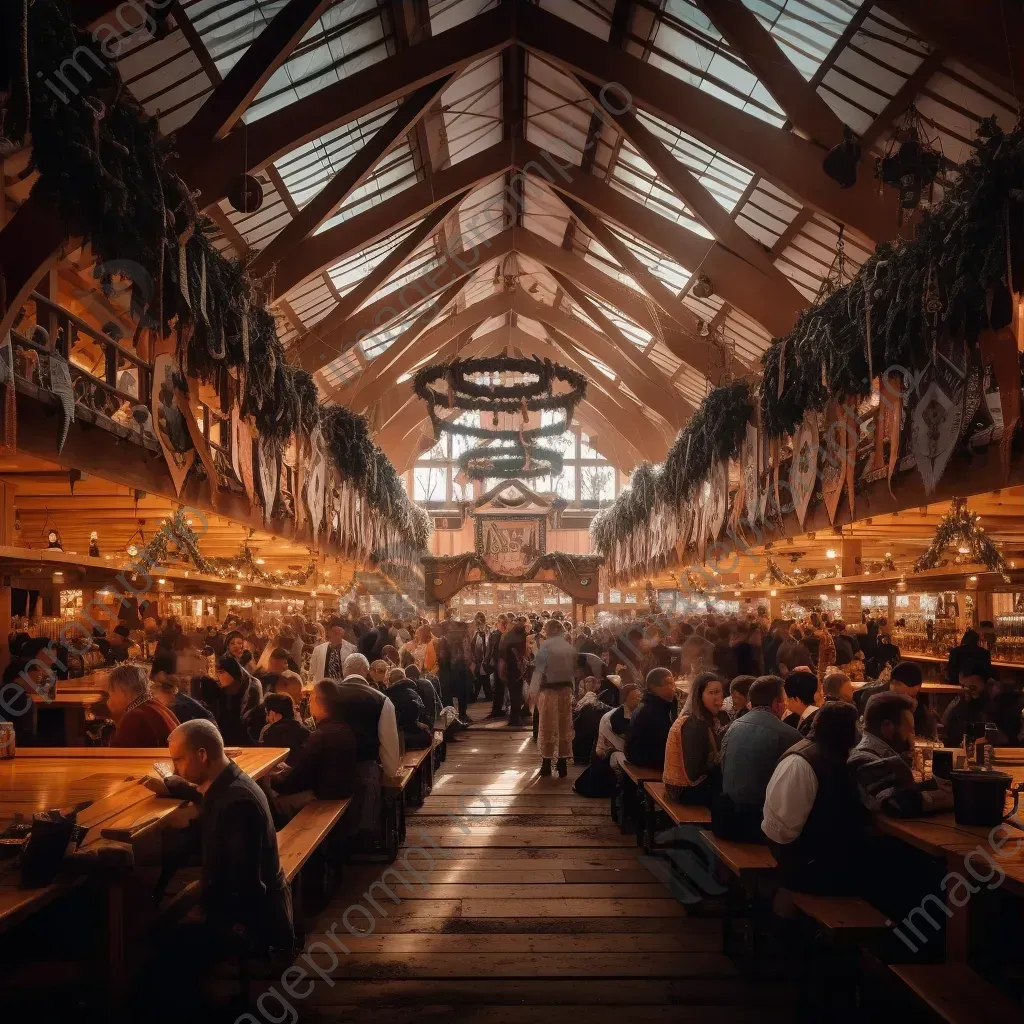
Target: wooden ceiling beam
(254,146)
(329,247)
(452,267)
(752,42)
(774,306)
(395,260)
(612,349)
(632,365)
(425,344)
(784,158)
(699,200)
(360,167)
(400,357)
(224,107)
(986,35)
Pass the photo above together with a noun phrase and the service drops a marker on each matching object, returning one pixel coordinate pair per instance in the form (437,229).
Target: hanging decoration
(171,429)
(511,452)
(176,540)
(185,291)
(64,390)
(803,470)
(9,424)
(911,162)
(938,417)
(840,162)
(999,350)
(961,527)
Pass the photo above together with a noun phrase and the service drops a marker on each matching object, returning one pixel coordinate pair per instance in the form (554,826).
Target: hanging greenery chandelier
(509,452)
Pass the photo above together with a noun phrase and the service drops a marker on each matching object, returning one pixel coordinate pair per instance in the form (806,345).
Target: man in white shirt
(328,660)
(813,818)
(554,674)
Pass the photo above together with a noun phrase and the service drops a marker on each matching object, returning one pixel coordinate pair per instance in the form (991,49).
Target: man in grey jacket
(751,749)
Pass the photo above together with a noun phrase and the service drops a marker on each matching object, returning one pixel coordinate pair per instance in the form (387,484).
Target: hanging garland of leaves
(714,433)
(178,533)
(105,167)
(966,256)
(960,526)
(522,462)
(516,455)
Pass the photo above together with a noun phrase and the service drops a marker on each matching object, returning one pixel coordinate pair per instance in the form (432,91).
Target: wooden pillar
(851,564)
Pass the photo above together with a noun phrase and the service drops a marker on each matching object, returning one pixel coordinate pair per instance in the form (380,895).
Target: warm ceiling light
(839,586)
(830,553)
(888,554)
(161,581)
(963,549)
(774,593)
(261,561)
(824,597)
(238,586)
(973,579)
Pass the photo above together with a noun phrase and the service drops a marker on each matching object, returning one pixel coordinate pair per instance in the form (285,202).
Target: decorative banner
(268,474)
(171,429)
(718,501)
(751,473)
(241,454)
(852,438)
(893,398)
(9,435)
(803,469)
(999,350)
(833,468)
(686,516)
(61,386)
(316,482)
(184,405)
(509,546)
(937,421)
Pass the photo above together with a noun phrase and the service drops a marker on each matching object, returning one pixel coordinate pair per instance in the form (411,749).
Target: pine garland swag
(104,165)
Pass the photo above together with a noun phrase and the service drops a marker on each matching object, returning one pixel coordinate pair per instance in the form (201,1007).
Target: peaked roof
(449,177)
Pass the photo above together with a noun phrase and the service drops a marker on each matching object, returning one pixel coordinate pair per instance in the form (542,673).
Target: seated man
(801,699)
(751,749)
(243,895)
(598,780)
(324,767)
(812,818)
(649,726)
(905,679)
(283,728)
(409,711)
(981,700)
(237,704)
(837,686)
(163,686)
(141,721)
(881,762)
(737,703)
(586,719)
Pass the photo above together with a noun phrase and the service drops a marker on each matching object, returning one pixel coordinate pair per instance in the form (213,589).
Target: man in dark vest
(371,716)
(813,817)
(648,729)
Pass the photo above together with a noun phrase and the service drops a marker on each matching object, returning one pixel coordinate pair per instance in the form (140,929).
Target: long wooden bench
(393,790)
(422,764)
(297,841)
(740,858)
(839,913)
(628,796)
(956,994)
(657,803)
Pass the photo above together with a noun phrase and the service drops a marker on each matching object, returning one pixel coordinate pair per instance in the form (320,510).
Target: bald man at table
(244,899)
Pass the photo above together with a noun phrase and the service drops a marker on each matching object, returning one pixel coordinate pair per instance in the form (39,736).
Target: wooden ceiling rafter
(789,161)
(751,41)
(360,167)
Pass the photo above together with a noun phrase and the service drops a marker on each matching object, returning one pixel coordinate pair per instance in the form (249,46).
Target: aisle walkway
(535,910)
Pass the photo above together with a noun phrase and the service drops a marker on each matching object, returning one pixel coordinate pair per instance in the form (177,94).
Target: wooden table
(74,708)
(940,836)
(41,778)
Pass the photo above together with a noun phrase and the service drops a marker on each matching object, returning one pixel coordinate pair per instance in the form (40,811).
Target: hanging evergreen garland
(515,454)
(960,526)
(107,170)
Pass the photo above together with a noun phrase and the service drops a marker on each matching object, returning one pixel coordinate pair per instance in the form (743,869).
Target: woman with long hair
(693,751)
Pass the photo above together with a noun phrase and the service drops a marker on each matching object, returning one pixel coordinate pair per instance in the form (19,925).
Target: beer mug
(7,745)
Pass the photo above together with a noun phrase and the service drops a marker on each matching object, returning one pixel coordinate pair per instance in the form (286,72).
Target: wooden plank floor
(530,907)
